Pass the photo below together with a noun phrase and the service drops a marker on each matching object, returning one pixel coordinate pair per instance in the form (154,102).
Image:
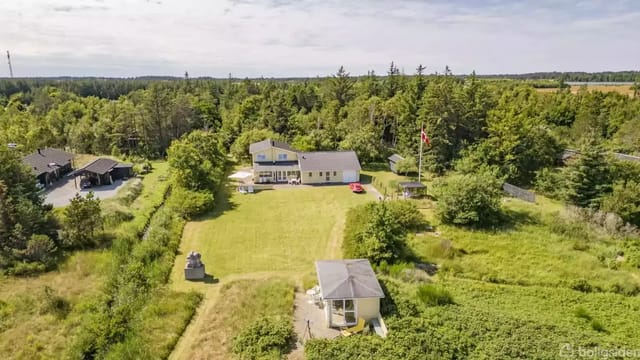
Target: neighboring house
(49,164)
(349,290)
(393,161)
(103,171)
(275,161)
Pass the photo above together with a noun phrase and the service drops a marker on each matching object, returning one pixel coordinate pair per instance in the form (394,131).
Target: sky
(282,38)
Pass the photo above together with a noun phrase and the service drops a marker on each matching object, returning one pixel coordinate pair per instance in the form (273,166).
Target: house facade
(275,161)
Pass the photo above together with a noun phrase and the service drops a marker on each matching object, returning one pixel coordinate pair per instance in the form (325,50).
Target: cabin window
(261,157)
(335,173)
(310,174)
(320,173)
(282,156)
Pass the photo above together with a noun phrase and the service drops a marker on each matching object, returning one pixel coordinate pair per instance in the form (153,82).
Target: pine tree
(589,178)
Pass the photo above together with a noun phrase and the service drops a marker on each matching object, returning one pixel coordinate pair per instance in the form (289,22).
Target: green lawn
(271,230)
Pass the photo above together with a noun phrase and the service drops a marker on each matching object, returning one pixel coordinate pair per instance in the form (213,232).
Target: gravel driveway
(60,194)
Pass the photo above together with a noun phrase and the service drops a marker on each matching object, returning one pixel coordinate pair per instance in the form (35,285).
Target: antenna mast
(10,68)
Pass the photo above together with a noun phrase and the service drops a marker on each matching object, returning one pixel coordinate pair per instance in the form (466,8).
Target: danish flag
(424,137)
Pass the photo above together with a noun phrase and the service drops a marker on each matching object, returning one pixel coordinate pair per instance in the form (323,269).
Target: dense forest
(483,132)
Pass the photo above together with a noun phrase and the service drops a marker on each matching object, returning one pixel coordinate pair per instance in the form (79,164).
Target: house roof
(47,160)
(411,185)
(347,279)
(98,166)
(267,144)
(395,158)
(329,160)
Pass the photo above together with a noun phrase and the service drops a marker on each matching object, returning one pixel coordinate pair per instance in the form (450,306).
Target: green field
(272,230)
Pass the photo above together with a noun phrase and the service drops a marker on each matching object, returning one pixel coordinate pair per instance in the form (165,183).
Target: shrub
(433,295)
(581,285)
(624,200)
(471,199)
(582,313)
(597,326)
(41,248)
(377,231)
(26,269)
(266,337)
(187,203)
(133,191)
(55,304)
(551,182)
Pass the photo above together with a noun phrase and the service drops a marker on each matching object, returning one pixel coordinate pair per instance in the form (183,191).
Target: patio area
(305,310)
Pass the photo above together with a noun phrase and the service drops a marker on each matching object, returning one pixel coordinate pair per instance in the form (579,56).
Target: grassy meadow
(39,323)
(240,303)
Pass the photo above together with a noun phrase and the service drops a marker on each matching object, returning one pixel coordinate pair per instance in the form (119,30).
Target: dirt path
(183,348)
(373,191)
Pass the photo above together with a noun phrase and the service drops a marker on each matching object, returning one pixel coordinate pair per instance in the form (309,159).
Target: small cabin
(393,160)
(349,290)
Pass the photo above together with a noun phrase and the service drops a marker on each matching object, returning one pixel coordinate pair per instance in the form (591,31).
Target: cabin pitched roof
(348,279)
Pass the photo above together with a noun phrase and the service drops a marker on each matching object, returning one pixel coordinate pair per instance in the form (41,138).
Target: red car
(356,187)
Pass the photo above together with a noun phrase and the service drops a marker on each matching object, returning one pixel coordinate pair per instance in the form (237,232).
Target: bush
(582,313)
(472,199)
(266,337)
(55,304)
(432,295)
(551,182)
(26,269)
(133,191)
(624,200)
(188,203)
(597,326)
(377,231)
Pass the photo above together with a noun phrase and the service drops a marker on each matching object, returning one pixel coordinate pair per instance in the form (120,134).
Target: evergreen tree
(588,176)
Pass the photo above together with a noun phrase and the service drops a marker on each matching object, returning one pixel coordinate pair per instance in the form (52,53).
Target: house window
(320,173)
(335,173)
(310,174)
(328,178)
(261,157)
(282,156)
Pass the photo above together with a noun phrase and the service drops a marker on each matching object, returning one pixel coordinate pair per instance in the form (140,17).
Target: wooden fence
(519,193)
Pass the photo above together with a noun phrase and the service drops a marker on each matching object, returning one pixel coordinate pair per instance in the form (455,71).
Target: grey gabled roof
(267,144)
(329,160)
(411,185)
(98,166)
(347,279)
(395,158)
(47,160)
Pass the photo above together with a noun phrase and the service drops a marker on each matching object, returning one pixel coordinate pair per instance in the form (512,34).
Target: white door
(349,176)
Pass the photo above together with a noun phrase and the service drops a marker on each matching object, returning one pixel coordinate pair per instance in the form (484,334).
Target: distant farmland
(619,88)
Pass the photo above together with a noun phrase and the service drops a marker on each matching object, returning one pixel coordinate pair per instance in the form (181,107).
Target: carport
(103,171)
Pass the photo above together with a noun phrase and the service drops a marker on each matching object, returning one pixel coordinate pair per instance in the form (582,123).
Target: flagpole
(420,161)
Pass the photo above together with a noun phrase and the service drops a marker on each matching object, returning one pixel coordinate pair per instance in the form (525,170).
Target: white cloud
(308,38)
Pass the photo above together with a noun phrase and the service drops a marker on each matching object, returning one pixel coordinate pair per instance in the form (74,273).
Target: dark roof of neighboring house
(123,165)
(347,279)
(395,158)
(411,185)
(98,166)
(267,144)
(47,160)
(329,160)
